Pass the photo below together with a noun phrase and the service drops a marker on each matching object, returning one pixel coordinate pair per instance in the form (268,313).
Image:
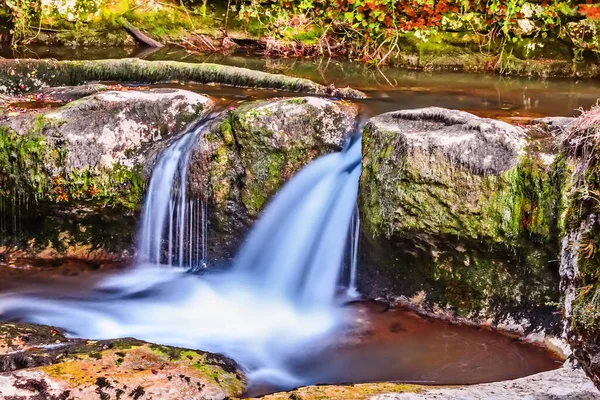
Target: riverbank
(524,39)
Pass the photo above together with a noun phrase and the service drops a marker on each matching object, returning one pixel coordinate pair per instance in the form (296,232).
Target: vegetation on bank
(583,215)
(377,31)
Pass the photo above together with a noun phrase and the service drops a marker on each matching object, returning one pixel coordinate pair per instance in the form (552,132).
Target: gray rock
(555,125)
(114,127)
(453,208)
(78,172)
(561,384)
(251,152)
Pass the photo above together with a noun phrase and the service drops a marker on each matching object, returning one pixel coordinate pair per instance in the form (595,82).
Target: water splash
(279,299)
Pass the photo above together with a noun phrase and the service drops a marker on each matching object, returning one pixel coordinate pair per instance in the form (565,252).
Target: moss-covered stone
(463,209)
(42,362)
(73,178)
(248,154)
(580,267)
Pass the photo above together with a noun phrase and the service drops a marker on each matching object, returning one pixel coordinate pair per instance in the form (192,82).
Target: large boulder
(72,177)
(249,153)
(580,261)
(461,214)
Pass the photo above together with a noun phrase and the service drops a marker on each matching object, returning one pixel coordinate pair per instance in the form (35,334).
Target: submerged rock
(72,177)
(43,364)
(251,152)
(462,214)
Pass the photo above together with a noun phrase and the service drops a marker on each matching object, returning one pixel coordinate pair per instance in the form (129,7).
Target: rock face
(38,362)
(73,176)
(563,383)
(579,267)
(250,152)
(80,170)
(462,214)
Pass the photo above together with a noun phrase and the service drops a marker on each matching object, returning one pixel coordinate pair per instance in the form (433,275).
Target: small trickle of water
(352,291)
(173,227)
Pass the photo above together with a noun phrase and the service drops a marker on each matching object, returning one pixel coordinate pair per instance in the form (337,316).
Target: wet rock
(252,151)
(461,214)
(61,167)
(555,125)
(563,383)
(579,262)
(114,127)
(58,368)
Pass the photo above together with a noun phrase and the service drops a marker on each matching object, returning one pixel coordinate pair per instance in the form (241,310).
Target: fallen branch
(139,35)
(19,76)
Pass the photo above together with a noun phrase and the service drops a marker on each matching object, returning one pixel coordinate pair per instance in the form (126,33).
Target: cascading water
(169,215)
(354,236)
(279,297)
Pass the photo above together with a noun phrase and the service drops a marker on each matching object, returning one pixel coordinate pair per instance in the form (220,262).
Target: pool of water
(375,344)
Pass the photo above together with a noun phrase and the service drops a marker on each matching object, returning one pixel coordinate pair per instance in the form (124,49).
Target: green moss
(429,194)
(474,242)
(210,366)
(33,165)
(583,205)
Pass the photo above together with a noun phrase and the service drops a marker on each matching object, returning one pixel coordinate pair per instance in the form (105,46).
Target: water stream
(279,297)
(170,215)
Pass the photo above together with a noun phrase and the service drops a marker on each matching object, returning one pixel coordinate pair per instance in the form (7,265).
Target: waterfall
(169,216)
(354,236)
(281,296)
(297,247)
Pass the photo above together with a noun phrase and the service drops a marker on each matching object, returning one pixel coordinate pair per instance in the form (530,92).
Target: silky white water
(280,298)
(169,215)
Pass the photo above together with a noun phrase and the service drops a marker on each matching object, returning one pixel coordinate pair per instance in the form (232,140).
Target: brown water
(510,98)
(398,345)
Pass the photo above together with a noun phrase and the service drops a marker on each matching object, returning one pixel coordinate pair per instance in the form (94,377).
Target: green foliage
(23,14)
(373,28)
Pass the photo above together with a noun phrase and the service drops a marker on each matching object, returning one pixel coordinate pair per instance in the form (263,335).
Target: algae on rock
(464,210)
(66,173)
(580,267)
(248,154)
(18,76)
(40,362)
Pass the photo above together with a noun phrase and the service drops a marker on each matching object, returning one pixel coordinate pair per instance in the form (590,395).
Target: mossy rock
(580,266)
(66,173)
(248,154)
(463,210)
(26,75)
(46,365)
